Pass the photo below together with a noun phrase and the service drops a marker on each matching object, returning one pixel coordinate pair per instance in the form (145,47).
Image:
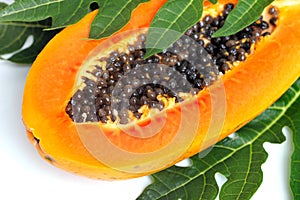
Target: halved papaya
(173,126)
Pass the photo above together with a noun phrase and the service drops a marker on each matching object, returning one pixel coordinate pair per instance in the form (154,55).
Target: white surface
(25,175)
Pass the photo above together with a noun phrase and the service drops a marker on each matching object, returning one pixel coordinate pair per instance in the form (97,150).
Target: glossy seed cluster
(128,81)
(227,50)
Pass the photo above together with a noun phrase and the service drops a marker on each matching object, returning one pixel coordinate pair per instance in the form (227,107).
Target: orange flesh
(50,85)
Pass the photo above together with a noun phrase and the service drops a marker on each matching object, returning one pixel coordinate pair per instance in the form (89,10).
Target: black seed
(131,48)
(159,105)
(109,89)
(101,83)
(210,32)
(241,51)
(108,110)
(105,75)
(215,23)
(241,57)
(113,118)
(196,36)
(266,33)
(113,56)
(142,37)
(139,91)
(93,102)
(195,28)
(144,100)
(221,61)
(264,25)
(273,11)
(224,68)
(102,113)
(242,35)
(221,24)
(78,96)
(253,39)
(200,24)
(151,94)
(208,19)
(182,67)
(117,75)
(233,51)
(256,33)
(273,21)
(230,43)
(193,68)
(158,91)
(191,75)
(102,91)
(209,48)
(198,83)
(126,67)
(139,54)
(165,60)
(222,46)
(124,58)
(133,101)
(172,84)
(106,99)
(189,32)
(118,64)
(153,59)
(231,58)
(246,46)
(137,115)
(111,82)
(127,89)
(130,59)
(229,6)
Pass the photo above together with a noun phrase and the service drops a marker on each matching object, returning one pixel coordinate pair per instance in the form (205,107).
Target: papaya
(99,109)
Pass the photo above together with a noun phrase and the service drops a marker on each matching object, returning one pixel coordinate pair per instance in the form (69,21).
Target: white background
(24,174)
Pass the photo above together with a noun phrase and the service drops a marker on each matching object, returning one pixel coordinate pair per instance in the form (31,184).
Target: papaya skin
(249,90)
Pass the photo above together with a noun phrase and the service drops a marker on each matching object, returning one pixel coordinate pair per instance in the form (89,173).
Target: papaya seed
(216,58)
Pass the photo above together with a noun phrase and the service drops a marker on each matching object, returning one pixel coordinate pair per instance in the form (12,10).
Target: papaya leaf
(245,13)
(2,5)
(238,158)
(213,1)
(113,15)
(62,12)
(294,118)
(14,34)
(170,22)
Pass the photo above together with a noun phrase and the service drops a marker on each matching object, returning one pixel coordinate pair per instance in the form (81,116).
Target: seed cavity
(124,86)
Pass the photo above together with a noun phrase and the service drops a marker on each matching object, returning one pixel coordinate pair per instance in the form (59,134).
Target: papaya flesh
(159,139)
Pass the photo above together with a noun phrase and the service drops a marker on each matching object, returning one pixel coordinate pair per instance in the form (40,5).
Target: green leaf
(62,12)
(13,35)
(294,118)
(245,13)
(213,1)
(170,22)
(238,158)
(112,16)
(2,5)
